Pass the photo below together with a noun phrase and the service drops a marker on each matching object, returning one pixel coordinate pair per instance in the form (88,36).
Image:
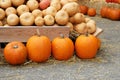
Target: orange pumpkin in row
(62,48)
(86,46)
(39,48)
(15,53)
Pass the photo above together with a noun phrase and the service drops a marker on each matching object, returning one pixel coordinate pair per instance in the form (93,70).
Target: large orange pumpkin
(39,48)
(62,48)
(86,46)
(114,14)
(15,53)
(108,11)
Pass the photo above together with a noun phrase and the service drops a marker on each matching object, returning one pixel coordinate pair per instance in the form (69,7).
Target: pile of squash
(45,12)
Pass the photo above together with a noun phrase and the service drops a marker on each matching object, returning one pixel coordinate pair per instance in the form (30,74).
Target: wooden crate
(22,33)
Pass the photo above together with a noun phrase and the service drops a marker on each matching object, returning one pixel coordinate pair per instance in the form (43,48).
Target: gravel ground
(106,65)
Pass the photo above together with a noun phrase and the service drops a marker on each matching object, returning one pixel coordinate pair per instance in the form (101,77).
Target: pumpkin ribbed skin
(39,48)
(91,12)
(114,14)
(15,53)
(62,48)
(103,12)
(86,46)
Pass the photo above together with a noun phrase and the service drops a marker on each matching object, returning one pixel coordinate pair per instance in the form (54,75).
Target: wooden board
(22,33)
(98,31)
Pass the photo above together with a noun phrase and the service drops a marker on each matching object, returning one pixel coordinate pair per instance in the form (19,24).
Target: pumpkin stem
(38,32)
(15,46)
(86,33)
(62,35)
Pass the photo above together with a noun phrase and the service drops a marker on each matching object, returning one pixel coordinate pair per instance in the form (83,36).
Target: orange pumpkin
(15,53)
(62,48)
(83,9)
(39,48)
(108,11)
(114,14)
(86,46)
(91,12)
(103,12)
(99,43)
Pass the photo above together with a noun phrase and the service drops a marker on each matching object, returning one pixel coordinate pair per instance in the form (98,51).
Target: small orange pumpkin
(86,46)
(15,53)
(91,12)
(39,48)
(62,48)
(83,9)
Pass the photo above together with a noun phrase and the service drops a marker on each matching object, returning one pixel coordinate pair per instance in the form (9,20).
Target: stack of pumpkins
(114,13)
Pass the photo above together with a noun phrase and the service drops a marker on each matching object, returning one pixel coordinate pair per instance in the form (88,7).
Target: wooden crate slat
(98,31)
(22,33)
